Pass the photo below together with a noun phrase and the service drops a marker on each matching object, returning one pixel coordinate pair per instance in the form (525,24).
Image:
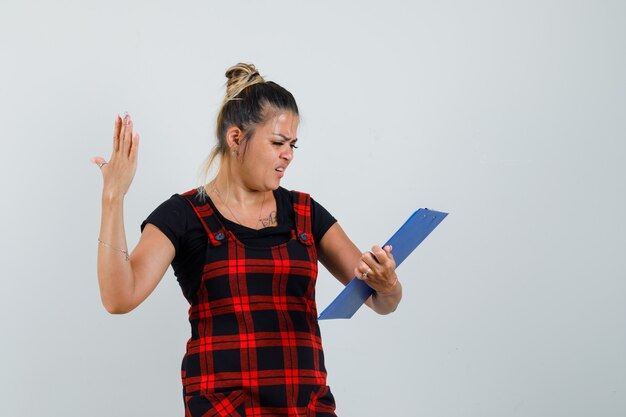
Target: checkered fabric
(255,346)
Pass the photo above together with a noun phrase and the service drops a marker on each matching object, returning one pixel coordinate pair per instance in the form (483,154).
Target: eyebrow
(284,137)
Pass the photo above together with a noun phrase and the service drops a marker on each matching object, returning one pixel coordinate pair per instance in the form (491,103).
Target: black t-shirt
(179,222)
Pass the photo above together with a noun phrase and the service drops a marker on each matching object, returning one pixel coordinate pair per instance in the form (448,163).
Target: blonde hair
(246,103)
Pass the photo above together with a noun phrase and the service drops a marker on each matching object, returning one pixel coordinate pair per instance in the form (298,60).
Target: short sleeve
(171,218)
(177,220)
(321,220)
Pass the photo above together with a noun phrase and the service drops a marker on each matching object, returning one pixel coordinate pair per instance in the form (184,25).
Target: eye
(293,146)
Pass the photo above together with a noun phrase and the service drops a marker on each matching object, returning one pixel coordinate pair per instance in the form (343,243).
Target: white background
(509,115)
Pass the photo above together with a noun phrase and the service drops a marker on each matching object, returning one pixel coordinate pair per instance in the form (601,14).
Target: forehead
(285,123)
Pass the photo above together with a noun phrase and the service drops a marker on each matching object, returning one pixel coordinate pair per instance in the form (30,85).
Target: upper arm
(338,254)
(149,261)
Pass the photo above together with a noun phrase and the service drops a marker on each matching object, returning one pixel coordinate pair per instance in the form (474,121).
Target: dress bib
(255,346)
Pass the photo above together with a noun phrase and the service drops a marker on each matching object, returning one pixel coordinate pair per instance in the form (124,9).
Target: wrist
(391,289)
(111,197)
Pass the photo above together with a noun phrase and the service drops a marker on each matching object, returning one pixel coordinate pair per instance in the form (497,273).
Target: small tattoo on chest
(270,220)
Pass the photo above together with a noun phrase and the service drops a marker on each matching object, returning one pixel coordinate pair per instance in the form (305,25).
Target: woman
(245,253)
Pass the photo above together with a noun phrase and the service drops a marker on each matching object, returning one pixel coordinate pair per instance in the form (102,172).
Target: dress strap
(214,228)
(302,210)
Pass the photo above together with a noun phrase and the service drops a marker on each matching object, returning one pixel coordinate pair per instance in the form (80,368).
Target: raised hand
(119,171)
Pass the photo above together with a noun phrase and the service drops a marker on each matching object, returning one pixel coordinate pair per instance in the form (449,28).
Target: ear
(234,135)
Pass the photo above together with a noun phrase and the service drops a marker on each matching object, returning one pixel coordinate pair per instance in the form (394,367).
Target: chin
(274,185)
(267,187)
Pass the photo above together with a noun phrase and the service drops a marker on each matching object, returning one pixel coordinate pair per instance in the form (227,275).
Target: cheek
(258,163)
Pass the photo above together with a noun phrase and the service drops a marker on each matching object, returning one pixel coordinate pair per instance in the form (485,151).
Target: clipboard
(404,241)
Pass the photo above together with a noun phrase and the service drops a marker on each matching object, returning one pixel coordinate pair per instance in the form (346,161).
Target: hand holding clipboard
(404,241)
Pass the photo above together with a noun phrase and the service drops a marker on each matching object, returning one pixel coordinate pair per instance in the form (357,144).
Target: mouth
(281,171)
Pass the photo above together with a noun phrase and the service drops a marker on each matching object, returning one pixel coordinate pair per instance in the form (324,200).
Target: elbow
(117,301)
(117,310)
(113,307)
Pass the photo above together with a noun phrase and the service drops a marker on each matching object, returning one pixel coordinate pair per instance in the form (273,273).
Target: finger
(116,133)
(383,255)
(369,264)
(366,264)
(388,250)
(389,261)
(128,136)
(122,135)
(378,253)
(134,149)
(98,160)
(359,274)
(375,259)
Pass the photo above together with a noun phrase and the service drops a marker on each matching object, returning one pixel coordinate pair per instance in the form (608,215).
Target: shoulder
(295,196)
(321,219)
(175,206)
(175,218)
(288,194)
(169,212)
(301,197)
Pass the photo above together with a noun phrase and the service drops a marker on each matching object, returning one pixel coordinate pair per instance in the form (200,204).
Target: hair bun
(239,77)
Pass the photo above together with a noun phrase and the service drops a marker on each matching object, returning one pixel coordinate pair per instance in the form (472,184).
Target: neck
(236,192)
(238,203)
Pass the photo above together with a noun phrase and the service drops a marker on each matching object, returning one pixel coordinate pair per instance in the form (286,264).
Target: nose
(287,154)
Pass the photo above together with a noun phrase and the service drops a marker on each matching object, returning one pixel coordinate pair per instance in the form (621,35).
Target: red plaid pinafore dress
(255,346)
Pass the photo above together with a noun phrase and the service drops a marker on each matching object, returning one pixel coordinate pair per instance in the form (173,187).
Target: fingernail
(93,160)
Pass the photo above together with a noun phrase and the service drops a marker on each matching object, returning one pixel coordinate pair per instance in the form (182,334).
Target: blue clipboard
(404,241)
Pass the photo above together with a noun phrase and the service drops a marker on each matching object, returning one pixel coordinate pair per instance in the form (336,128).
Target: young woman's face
(269,152)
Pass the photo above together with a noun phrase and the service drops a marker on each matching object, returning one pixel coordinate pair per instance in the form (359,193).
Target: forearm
(115,274)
